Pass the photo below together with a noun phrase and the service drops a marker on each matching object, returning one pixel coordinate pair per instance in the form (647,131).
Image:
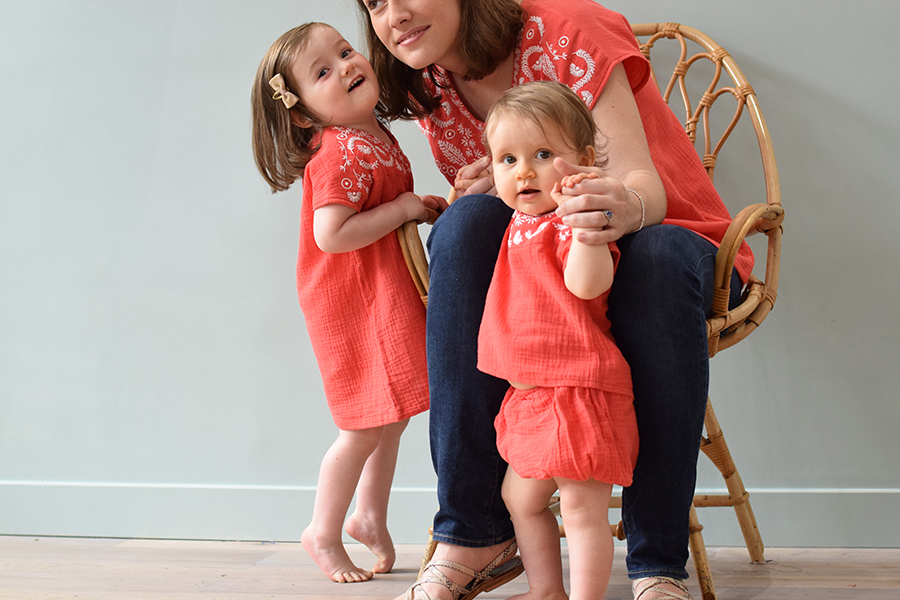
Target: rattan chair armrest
(756,218)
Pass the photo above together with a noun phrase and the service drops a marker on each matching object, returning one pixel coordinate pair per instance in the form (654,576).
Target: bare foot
(375,538)
(333,560)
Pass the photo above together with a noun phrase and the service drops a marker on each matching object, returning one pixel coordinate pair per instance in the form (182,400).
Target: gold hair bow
(281,92)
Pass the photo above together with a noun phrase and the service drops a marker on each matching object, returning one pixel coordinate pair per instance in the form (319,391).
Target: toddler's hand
(435,205)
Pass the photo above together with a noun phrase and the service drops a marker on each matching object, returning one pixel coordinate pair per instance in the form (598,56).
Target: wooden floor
(103,569)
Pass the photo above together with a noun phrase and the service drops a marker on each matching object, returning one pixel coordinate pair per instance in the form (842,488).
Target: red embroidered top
(536,331)
(578,42)
(363,314)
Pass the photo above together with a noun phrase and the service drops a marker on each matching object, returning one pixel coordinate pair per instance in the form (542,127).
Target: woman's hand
(475,178)
(595,204)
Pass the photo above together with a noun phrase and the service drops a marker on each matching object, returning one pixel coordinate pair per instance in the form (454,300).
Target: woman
(444,63)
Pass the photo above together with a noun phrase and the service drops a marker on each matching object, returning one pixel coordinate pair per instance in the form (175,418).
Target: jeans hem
(680,574)
(455,541)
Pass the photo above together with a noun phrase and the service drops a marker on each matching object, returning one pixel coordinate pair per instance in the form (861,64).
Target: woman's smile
(411,37)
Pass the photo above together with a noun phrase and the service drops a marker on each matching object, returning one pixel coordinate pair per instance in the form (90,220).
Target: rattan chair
(721,78)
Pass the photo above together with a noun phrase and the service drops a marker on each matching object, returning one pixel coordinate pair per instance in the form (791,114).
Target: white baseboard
(846,518)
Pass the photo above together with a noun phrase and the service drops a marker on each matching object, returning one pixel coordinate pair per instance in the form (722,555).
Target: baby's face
(522,154)
(336,82)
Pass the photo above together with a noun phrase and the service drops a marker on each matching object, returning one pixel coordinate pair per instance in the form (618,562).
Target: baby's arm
(339,228)
(589,269)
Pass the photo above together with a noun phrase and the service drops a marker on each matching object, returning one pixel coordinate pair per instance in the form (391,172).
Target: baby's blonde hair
(282,149)
(549,102)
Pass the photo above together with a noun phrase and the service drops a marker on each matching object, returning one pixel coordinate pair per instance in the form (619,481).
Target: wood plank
(106,569)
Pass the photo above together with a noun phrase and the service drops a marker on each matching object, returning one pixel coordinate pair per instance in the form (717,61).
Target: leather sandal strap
(653,584)
(485,573)
(431,574)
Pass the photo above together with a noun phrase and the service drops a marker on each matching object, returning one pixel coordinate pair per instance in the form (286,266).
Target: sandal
(501,570)
(654,584)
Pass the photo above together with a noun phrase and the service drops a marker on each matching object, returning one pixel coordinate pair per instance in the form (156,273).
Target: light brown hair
(488,32)
(282,149)
(548,102)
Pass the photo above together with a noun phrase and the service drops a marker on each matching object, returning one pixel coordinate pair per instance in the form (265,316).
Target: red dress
(580,422)
(578,42)
(363,314)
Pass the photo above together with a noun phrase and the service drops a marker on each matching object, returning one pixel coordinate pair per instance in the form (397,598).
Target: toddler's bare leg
(338,476)
(368,523)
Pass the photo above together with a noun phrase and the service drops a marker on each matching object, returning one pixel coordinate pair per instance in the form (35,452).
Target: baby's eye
(544,154)
(322,72)
(508,160)
(346,52)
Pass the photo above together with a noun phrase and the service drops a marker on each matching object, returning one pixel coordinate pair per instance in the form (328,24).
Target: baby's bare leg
(584,506)
(537,534)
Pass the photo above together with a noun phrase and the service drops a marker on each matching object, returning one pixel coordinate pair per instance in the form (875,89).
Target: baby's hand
(569,181)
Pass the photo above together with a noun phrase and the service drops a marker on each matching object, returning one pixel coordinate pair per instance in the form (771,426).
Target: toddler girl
(567,422)
(314,99)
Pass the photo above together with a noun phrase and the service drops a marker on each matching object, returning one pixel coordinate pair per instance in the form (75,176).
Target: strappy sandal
(653,584)
(501,570)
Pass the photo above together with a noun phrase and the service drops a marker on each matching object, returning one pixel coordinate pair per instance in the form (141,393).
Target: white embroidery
(521,230)
(370,153)
(452,154)
(565,232)
(587,71)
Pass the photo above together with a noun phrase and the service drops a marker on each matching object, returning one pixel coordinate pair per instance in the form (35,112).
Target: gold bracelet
(643,212)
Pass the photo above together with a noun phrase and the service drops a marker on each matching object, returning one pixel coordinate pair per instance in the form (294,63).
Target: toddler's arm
(339,228)
(589,269)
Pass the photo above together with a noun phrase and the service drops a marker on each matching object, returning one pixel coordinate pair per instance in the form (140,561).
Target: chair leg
(714,446)
(701,560)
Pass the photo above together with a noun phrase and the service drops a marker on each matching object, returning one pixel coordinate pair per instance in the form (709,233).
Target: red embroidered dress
(363,314)
(535,331)
(577,43)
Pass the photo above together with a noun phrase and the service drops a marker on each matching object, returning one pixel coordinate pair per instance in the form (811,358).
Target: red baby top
(363,313)
(534,330)
(577,43)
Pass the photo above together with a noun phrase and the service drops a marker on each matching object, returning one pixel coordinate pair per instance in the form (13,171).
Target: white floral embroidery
(452,153)
(587,71)
(521,230)
(370,153)
(565,232)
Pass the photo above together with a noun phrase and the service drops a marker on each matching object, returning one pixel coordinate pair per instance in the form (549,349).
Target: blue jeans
(658,304)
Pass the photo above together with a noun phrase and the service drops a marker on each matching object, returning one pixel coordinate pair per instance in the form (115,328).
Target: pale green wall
(155,375)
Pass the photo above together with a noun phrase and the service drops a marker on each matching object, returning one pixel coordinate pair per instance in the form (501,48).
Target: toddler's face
(336,82)
(522,154)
